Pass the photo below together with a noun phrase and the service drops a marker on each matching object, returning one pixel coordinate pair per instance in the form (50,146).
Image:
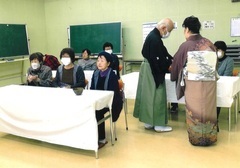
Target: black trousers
(218,111)
(174,105)
(101,127)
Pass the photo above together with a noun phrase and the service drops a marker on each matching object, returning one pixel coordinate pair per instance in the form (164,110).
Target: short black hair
(221,45)
(107,44)
(70,52)
(192,23)
(107,56)
(36,55)
(88,51)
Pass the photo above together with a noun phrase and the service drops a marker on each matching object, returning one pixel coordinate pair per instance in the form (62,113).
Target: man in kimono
(151,99)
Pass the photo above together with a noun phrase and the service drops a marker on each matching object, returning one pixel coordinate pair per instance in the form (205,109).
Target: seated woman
(225,65)
(86,63)
(38,74)
(69,75)
(104,78)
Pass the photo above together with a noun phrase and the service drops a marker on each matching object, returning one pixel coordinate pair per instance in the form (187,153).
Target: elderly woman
(38,74)
(104,78)
(69,75)
(200,96)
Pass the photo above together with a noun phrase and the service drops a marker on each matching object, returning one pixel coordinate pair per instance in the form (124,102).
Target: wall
(62,13)
(30,12)
(47,21)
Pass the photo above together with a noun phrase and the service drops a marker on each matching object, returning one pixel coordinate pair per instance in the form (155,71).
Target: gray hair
(164,22)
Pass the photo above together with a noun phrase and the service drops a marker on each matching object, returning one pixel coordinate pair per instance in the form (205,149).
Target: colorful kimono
(200,96)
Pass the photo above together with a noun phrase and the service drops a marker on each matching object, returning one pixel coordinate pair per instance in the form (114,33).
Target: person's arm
(174,68)
(157,57)
(28,73)
(113,82)
(169,62)
(179,60)
(45,79)
(80,78)
(94,79)
(80,63)
(94,65)
(92,83)
(229,68)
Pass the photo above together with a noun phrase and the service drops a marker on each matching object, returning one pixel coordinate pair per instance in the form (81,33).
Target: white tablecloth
(130,84)
(227,88)
(53,115)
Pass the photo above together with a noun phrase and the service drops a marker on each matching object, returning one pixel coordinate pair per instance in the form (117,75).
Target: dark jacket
(78,77)
(111,84)
(44,74)
(157,55)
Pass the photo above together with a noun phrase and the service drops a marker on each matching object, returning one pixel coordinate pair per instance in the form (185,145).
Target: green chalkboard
(13,40)
(93,36)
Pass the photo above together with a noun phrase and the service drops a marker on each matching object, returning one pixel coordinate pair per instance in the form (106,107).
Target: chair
(121,89)
(235,72)
(86,84)
(120,67)
(54,73)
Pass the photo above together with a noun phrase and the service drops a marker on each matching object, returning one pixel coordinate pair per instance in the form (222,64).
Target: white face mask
(66,61)
(166,35)
(35,65)
(219,54)
(109,51)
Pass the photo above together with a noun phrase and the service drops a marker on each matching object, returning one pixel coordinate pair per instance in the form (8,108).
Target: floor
(135,148)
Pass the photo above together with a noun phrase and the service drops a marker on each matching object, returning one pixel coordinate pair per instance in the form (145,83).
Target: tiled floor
(135,148)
